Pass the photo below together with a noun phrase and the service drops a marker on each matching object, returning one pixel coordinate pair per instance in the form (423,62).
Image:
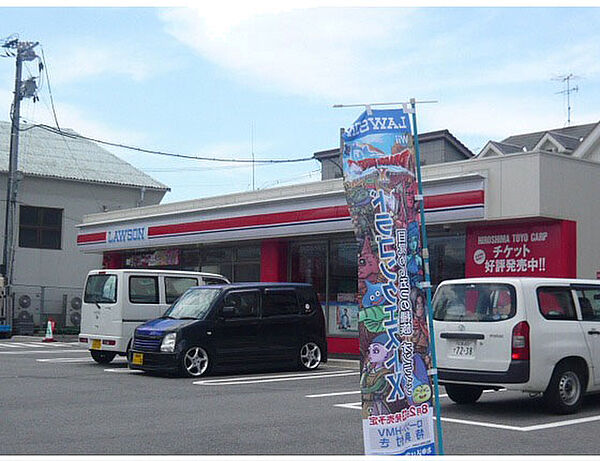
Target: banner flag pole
(394,326)
(427,284)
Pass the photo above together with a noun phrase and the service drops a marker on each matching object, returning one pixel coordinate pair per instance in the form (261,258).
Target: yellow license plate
(96,344)
(137,359)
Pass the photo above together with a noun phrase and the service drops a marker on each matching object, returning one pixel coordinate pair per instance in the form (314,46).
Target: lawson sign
(131,234)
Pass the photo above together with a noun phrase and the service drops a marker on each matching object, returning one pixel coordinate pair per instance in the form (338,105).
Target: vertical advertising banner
(381,189)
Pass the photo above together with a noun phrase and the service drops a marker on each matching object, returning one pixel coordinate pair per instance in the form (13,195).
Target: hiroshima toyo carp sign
(382,192)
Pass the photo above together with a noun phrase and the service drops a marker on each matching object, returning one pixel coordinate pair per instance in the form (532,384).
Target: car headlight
(168,342)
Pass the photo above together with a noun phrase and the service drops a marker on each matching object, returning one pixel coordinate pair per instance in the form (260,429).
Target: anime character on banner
(381,189)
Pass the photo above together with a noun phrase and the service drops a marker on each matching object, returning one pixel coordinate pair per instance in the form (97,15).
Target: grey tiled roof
(529,140)
(570,142)
(506,148)
(43,153)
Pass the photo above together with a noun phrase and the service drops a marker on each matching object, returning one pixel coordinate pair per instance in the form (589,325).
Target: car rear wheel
(462,393)
(310,356)
(564,394)
(195,362)
(103,357)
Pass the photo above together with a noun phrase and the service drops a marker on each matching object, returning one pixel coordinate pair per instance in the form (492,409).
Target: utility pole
(567,80)
(24,52)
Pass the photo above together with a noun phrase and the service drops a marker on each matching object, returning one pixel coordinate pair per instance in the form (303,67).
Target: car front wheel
(462,393)
(195,362)
(310,356)
(564,394)
(103,357)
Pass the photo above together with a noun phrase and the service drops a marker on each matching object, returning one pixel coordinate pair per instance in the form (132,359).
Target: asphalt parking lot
(56,400)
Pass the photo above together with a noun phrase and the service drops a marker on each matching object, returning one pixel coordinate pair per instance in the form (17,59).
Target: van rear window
(476,302)
(101,289)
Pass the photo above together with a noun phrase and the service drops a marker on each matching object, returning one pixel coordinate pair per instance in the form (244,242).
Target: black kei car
(235,325)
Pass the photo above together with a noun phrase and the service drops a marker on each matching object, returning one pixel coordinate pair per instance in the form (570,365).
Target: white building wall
(571,190)
(513,187)
(66,267)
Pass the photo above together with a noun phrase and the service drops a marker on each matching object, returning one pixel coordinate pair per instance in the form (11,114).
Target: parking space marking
(331,394)
(273,378)
(534,427)
(77,360)
(38,351)
(562,423)
(65,360)
(123,370)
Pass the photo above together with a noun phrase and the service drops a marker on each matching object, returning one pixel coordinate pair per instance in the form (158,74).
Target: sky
(236,81)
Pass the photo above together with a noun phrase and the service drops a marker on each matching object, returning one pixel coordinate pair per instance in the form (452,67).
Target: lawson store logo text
(126,235)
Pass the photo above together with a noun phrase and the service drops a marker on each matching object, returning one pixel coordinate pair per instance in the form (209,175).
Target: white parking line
(275,378)
(561,423)
(331,394)
(77,360)
(38,351)
(65,360)
(122,370)
(535,427)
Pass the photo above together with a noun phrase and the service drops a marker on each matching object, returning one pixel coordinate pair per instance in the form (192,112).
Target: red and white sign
(546,249)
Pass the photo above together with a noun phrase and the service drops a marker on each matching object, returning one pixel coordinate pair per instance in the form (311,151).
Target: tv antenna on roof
(566,79)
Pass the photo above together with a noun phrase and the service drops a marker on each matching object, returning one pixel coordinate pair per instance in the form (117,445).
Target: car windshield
(475,302)
(193,304)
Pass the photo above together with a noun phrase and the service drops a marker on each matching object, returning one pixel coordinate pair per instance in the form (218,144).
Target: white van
(536,335)
(116,301)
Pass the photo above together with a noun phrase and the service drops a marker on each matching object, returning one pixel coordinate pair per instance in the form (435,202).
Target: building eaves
(530,140)
(46,154)
(568,142)
(445,134)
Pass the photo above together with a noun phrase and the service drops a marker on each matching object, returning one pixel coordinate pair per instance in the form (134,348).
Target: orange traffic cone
(49,338)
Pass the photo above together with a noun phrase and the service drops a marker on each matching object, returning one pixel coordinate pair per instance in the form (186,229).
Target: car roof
(524,280)
(257,285)
(154,271)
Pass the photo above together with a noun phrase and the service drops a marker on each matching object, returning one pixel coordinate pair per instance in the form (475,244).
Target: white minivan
(116,301)
(536,335)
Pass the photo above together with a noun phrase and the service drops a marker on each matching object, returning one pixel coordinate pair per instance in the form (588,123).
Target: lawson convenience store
(531,214)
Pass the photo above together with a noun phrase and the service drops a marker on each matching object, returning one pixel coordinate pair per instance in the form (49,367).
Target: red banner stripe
(472,197)
(432,202)
(89,238)
(314,214)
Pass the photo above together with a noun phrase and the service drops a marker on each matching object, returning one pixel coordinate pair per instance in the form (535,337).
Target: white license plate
(463,349)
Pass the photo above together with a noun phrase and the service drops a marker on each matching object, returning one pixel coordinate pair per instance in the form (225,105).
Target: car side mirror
(228,311)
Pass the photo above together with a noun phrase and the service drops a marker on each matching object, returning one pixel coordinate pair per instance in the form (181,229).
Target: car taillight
(109,342)
(83,340)
(520,341)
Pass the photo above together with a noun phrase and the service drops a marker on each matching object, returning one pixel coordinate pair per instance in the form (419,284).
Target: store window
(238,264)
(309,265)
(447,257)
(343,288)
(40,227)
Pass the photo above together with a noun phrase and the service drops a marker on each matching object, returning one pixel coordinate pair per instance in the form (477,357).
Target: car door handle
(593,332)
(462,335)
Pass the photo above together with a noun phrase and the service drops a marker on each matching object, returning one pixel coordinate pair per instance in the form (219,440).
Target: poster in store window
(381,189)
(343,317)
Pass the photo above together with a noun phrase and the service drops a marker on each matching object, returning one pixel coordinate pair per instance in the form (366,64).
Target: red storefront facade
(477,226)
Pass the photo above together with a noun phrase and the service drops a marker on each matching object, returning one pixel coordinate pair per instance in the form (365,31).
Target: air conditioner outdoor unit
(26,307)
(73,312)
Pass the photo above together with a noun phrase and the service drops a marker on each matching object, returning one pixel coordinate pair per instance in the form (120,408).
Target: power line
(74,135)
